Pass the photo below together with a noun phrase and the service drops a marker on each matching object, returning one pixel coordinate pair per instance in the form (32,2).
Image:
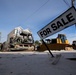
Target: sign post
(47,48)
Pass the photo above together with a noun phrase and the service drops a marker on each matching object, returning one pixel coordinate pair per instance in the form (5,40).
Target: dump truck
(59,43)
(20,39)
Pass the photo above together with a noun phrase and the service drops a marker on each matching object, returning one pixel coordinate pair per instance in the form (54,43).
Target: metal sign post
(47,48)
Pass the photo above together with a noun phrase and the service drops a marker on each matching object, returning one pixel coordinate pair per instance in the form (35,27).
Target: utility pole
(72,2)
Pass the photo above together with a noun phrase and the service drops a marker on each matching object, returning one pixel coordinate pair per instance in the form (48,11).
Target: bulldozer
(74,44)
(19,39)
(59,43)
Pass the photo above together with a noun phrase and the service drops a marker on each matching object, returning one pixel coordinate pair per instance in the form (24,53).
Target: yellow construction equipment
(59,43)
(74,44)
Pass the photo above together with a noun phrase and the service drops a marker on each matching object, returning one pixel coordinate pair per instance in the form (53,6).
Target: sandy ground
(37,63)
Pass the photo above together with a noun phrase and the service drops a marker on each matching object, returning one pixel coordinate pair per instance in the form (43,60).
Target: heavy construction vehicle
(74,44)
(0,46)
(20,39)
(59,43)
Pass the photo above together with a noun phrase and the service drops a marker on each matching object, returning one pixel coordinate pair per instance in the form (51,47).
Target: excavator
(59,43)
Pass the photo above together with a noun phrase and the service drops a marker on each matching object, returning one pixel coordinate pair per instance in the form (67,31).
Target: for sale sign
(65,20)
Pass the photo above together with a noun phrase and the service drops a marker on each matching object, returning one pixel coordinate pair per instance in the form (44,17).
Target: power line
(66,3)
(38,9)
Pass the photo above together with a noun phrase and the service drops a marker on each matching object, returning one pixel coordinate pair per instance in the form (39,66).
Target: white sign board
(65,20)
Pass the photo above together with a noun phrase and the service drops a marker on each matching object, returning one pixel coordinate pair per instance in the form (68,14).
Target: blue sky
(34,15)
